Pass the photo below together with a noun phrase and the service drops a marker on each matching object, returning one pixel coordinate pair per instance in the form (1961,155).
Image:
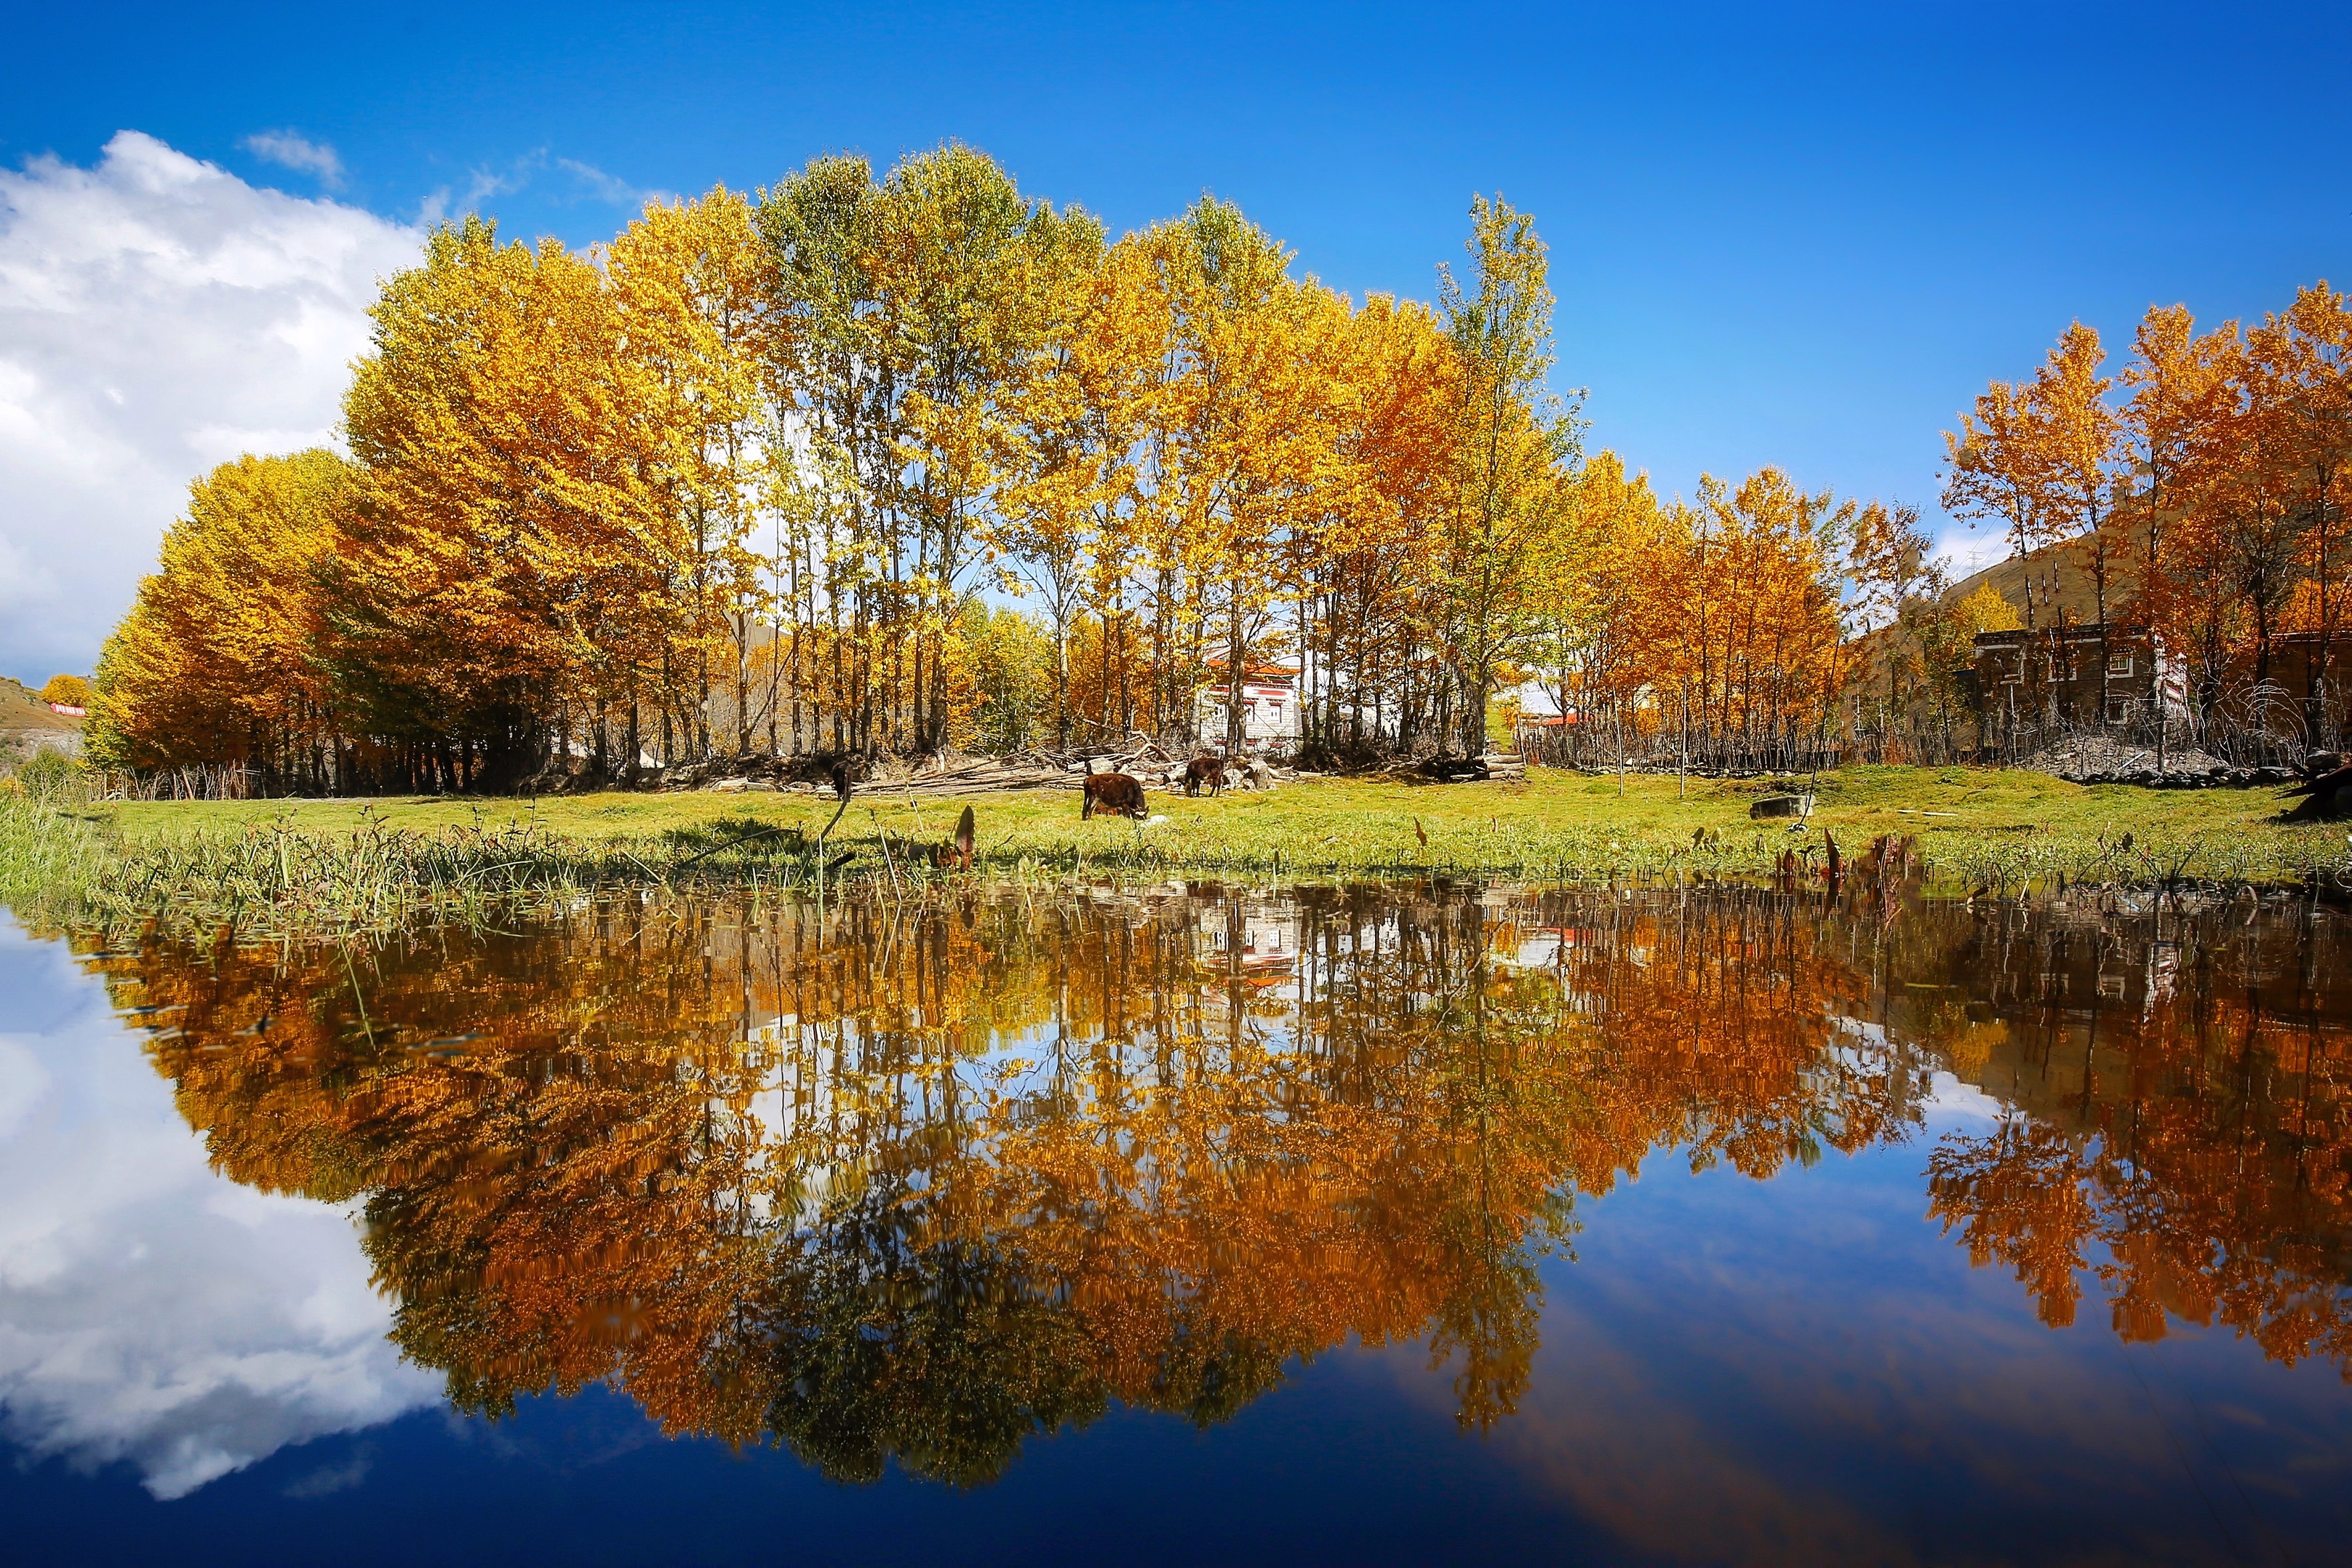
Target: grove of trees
(2200,493)
(906,463)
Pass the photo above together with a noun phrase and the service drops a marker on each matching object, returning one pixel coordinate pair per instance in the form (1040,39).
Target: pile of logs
(958,776)
(1496,765)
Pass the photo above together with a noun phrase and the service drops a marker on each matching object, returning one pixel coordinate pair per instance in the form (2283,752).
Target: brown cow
(1209,771)
(1116,792)
(956,854)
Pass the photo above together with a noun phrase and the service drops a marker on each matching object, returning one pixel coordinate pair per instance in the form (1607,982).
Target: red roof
(1261,674)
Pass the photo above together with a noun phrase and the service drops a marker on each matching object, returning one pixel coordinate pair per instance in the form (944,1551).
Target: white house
(1270,718)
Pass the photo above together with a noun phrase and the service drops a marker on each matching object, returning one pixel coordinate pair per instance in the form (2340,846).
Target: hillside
(27,725)
(2064,569)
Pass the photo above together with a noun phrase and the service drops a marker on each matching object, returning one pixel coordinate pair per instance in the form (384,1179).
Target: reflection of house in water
(1547,946)
(1269,943)
(1264,949)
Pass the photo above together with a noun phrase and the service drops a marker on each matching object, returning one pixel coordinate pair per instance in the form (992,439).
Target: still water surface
(1184,1224)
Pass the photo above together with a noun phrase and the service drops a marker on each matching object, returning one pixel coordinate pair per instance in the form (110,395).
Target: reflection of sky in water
(1805,1370)
(1799,1370)
(152,1311)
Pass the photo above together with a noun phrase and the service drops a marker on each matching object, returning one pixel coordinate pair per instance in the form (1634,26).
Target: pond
(1188,1223)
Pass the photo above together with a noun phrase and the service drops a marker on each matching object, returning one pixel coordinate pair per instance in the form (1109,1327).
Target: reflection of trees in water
(2179,1124)
(916,1183)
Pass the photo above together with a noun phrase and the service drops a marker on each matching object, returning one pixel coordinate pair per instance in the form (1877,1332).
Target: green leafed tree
(1516,446)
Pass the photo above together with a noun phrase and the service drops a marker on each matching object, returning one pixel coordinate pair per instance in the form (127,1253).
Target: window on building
(2118,665)
(2119,710)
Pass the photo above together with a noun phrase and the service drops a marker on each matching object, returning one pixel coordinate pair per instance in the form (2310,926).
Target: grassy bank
(285,864)
(53,851)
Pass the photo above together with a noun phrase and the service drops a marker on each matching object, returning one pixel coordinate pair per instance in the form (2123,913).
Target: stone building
(2031,687)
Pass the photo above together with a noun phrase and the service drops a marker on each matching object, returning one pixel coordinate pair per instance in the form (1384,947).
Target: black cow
(2327,797)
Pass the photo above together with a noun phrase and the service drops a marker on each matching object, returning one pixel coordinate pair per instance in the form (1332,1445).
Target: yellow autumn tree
(511,537)
(226,656)
(690,284)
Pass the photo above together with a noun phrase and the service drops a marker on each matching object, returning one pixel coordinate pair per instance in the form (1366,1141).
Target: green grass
(1978,827)
(52,852)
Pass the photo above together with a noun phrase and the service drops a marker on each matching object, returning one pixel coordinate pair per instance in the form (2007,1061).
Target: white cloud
(1965,551)
(151,1309)
(588,183)
(1950,1101)
(158,316)
(603,187)
(606,187)
(294,150)
(482,183)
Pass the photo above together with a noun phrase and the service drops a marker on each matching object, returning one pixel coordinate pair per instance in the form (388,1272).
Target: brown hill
(27,724)
(2060,576)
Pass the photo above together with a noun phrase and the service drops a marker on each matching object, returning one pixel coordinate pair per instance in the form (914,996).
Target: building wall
(2030,686)
(1270,716)
(2048,681)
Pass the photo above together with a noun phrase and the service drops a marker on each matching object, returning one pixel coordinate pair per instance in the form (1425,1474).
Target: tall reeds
(53,850)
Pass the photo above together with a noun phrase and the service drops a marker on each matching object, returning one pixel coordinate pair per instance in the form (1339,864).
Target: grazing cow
(1117,793)
(956,854)
(1209,771)
(2324,798)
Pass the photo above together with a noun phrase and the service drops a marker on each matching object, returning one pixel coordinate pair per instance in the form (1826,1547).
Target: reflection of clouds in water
(150,1309)
(328,1480)
(1825,1381)
(1952,1105)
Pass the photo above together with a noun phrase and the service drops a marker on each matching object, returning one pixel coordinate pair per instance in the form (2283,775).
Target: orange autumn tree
(1391,380)
(510,530)
(2197,496)
(2312,342)
(2081,465)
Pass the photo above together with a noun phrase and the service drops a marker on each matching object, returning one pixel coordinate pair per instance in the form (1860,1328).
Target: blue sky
(1794,235)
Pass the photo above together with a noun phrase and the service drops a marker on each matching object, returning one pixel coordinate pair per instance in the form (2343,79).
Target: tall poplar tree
(1515,444)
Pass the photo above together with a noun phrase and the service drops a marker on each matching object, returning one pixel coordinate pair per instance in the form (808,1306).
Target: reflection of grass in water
(288,863)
